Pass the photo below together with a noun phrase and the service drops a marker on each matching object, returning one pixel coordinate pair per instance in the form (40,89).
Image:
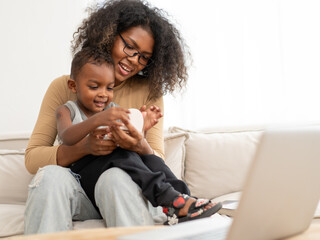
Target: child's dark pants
(159,185)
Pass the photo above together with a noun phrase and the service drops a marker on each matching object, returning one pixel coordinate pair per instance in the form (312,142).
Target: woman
(149,62)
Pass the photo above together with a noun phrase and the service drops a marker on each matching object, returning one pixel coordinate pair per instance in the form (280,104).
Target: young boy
(92,80)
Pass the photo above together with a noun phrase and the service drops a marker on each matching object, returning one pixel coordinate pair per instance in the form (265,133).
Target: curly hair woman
(150,61)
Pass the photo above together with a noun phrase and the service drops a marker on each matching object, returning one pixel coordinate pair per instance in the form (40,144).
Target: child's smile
(94,87)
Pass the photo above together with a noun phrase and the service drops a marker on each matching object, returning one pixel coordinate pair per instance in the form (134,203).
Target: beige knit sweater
(41,152)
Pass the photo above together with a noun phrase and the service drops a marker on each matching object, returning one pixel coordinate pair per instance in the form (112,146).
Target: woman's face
(126,66)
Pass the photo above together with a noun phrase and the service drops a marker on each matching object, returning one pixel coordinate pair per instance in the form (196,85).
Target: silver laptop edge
(279,197)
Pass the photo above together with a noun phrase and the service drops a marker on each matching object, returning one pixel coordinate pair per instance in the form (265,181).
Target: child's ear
(72,85)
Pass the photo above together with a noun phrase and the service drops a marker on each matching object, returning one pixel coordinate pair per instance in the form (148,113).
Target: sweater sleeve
(155,134)
(40,150)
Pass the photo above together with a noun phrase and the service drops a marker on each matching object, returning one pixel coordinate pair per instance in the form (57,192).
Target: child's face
(94,87)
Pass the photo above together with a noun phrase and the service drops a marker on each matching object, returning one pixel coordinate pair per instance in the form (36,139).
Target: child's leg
(153,184)
(178,207)
(156,164)
(182,208)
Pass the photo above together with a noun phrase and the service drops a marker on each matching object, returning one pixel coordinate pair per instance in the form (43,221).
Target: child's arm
(70,133)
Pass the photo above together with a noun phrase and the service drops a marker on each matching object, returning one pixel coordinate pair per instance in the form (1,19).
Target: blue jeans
(56,198)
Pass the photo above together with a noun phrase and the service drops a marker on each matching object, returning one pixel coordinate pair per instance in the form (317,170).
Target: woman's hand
(92,144)
(95,143)
(133,141)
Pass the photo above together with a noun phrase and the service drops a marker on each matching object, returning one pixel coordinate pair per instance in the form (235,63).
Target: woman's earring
(143,73)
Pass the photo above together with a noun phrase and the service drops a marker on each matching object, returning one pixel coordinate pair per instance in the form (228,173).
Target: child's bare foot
(151,116)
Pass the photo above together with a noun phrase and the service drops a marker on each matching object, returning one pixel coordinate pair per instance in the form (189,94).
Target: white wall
(255,61)
(35,49)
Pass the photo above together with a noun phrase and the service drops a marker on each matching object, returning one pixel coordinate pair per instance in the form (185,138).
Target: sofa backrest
(212,162)
(14,141)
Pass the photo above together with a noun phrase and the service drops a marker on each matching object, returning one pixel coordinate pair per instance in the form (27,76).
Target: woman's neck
(117,83)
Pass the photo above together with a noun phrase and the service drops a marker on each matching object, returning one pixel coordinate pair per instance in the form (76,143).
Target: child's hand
(151,116)
(114,116)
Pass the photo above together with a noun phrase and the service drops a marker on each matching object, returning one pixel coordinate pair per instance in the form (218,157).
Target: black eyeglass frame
(150,61)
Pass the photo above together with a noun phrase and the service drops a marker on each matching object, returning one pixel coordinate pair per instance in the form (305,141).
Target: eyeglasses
(131,51)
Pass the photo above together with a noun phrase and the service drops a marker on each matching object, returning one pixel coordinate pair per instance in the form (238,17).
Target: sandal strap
(197,208)
(180,201)
(176,205)
(200,202)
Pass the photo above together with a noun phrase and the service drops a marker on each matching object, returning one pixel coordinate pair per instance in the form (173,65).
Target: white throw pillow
(14,177)
(216,162)
(175,152)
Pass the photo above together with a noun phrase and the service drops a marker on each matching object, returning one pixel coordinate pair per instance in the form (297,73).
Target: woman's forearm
(69,154)
(144,148)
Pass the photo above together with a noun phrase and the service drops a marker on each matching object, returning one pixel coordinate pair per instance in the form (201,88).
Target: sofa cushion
(235,196)
(175,152)
(91,223)
(229,203)
(11,220)
(14,178)
(216,162)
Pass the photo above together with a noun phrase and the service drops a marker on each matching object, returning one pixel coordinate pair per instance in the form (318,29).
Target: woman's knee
(51,178)
(115,180)
(115,177)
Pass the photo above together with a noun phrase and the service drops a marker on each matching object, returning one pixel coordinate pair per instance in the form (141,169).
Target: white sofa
(213,163)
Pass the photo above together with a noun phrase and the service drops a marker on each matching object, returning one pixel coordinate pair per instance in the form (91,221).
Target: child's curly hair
(168,71)
(89,55)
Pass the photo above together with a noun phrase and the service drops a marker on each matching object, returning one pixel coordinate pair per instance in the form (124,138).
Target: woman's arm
(134,95)
(89,145)
(134,142)
(40,151)
(152,143)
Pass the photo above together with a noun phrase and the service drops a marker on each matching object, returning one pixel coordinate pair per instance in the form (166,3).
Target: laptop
(279,197)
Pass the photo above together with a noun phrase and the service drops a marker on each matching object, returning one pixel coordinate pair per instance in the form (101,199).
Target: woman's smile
(124,69)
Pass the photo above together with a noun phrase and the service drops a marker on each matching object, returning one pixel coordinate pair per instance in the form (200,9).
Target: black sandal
(196,210)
